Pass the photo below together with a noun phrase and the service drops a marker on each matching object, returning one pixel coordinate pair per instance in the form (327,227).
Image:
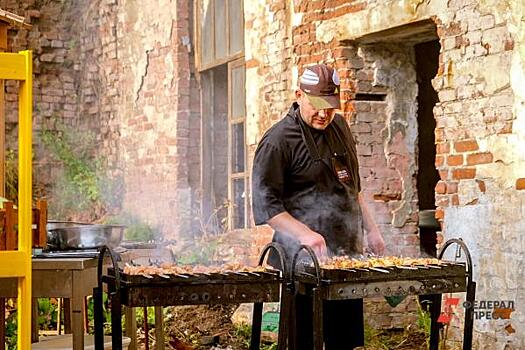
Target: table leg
(34,320)
(131,326)
(159,328)
(67,315)
(77,319)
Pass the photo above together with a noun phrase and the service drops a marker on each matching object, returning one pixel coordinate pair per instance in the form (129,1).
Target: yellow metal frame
(19,66)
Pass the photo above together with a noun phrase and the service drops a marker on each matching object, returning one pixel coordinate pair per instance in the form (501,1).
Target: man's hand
(293,228)
(375,241)
(315,241)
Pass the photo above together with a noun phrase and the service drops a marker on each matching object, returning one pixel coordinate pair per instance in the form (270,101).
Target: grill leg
(256,326)
(98,318)
(292,323)
(318,319)
(435,310)
(116,321)
(284,318)
(469,316)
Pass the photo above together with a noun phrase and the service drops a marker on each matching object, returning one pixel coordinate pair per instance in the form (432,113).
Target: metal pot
(64,235)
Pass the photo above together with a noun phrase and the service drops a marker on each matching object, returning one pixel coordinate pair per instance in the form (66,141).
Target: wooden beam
(3,47)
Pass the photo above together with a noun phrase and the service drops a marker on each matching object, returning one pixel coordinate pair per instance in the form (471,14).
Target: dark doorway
(427,63)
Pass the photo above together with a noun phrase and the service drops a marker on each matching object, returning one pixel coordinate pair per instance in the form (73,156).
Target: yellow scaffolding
(19,66)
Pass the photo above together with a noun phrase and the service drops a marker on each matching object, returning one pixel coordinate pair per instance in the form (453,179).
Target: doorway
(427,63)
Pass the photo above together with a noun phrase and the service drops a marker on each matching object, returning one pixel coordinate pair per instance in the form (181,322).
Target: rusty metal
(226,287)
(310,278)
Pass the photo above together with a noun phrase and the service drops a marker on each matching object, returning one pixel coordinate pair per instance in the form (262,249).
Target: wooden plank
(13,263)
(159,328)
(3,36)
(3,47)
(42,223)
(10,221)
(12,66)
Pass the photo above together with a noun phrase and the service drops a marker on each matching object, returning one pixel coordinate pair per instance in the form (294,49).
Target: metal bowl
(85,236)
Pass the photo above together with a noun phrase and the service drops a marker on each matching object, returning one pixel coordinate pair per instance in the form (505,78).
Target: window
(220,57)
(237,172)
(220,32)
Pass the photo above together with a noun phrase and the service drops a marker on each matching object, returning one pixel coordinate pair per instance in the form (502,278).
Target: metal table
(72,278)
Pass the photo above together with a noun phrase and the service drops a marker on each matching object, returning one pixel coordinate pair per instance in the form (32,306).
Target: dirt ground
(187,327)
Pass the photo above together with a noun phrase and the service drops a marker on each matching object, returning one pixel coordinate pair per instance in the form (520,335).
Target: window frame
(244,174)
(198,37)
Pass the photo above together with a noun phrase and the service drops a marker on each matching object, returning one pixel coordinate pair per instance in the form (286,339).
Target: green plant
(136,229)
(11,324)
(47,313)
(201,251)
(244,331)
(423,322)
(83,185)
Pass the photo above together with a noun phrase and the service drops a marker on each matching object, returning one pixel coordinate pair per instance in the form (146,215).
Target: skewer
(379,269)
(239,273)
(403,267)
(143,274)
(434,267)
(254,273)
(183,276)
(164,276)
(349,270)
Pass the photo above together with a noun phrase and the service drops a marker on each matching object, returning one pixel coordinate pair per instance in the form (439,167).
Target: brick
(441,187)
(442,148)
(443,174)
(442,201)
(455,200)
(452,187)
(455,160)
(440,214)
(465,173)
(479,158)
(439,162)
(520,184)
(482,186)
(466,146)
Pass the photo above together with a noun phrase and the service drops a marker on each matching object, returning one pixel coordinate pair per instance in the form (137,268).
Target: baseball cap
(321,83)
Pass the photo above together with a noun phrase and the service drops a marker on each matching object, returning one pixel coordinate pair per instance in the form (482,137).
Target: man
(306,186)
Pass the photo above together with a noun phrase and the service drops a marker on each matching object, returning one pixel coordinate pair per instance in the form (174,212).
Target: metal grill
(357,283)
(141,290)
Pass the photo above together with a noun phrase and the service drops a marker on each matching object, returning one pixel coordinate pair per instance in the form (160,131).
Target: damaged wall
(154,112)
(479,136)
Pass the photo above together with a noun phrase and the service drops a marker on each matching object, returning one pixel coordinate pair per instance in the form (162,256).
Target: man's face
(316,118)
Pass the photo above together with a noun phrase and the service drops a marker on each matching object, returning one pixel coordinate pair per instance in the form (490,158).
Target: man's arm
(294,229)
(374,236)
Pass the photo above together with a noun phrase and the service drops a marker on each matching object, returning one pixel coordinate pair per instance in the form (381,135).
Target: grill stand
(119,296)
(319,292)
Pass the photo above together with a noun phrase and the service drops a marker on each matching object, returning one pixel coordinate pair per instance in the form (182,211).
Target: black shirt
(296,170)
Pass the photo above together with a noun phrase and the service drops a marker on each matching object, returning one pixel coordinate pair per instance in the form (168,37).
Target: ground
(187,326)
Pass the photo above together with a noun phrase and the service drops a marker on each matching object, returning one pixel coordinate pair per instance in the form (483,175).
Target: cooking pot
(71,235)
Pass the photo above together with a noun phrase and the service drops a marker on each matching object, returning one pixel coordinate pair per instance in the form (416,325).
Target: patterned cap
(320,83)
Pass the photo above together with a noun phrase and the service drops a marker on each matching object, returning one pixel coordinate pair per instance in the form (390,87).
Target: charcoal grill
(342,284)
(188,289)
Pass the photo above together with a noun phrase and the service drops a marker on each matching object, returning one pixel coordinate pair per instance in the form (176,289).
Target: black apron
(331,207)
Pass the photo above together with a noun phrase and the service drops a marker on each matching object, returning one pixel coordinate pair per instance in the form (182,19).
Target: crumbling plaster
(487,80)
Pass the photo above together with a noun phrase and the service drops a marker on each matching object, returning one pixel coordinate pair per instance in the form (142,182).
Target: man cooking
(306,186)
